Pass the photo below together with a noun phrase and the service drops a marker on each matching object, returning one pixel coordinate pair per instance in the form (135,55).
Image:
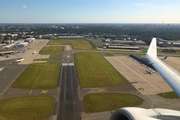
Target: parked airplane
(19,60)
(149,72)
(34,52)
(171,76)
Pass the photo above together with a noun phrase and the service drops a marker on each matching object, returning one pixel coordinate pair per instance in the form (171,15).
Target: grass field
(99,44)
(79,44)
(128,51)
(170,95)
(41,59)
(95,71)
(109,54)
(47,50)
(37,107)
(38,76)
(98,102)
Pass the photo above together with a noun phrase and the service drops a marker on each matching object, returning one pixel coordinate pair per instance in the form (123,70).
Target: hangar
(6,53)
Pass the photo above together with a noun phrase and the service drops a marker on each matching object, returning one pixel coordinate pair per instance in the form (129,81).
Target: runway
(69,103)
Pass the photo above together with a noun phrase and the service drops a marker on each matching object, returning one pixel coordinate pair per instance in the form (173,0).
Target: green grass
(46,50)
(79,44)
(170,95)
(109,54)
(38,76)
(99,102)
(143,50)
(24,108)
(42,75)
(122,51)
(99,44)
(96,71)
(41,59)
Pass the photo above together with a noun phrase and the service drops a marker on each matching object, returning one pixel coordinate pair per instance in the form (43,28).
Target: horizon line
(79,23)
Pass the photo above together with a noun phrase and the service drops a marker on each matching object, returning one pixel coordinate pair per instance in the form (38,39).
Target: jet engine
(135,113)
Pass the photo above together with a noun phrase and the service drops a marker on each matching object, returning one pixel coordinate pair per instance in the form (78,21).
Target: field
(46,50)
(109,54)
(41,59)
(98,102)
(27,108)
(99,44)
(38,76)
(170,95)
(42,75)
(95,71)
(79,44)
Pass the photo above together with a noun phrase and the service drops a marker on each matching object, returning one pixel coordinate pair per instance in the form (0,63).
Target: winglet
(152,50)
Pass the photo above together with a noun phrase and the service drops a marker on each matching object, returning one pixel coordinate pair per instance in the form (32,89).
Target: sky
(89,11)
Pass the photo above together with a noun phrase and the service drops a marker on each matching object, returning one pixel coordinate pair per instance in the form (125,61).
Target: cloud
(24,6)
(142,4)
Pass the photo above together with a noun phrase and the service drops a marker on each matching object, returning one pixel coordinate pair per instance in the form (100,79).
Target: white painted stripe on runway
(64,64)
(71,64)
(1,69)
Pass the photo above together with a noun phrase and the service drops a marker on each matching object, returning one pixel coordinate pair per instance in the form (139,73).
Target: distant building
(38,36)
(22,44)
(1,46)
(47,36)
(107,40)
(124,47)
(29,36)
(6,53)
(29,40)
(168,43)
(70,36)
(116,46)
(128,42)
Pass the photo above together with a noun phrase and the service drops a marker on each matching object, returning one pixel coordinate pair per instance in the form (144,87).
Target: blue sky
(89,11)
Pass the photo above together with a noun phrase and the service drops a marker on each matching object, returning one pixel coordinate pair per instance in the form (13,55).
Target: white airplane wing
(135,113)
(171,76)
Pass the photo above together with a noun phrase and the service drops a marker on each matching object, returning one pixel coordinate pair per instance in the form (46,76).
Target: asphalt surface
(69,105)
(9,72)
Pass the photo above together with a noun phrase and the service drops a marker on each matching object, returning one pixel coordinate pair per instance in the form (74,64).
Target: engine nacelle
(135,113)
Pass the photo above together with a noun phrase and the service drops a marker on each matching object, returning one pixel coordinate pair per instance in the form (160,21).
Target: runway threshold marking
(30,92)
